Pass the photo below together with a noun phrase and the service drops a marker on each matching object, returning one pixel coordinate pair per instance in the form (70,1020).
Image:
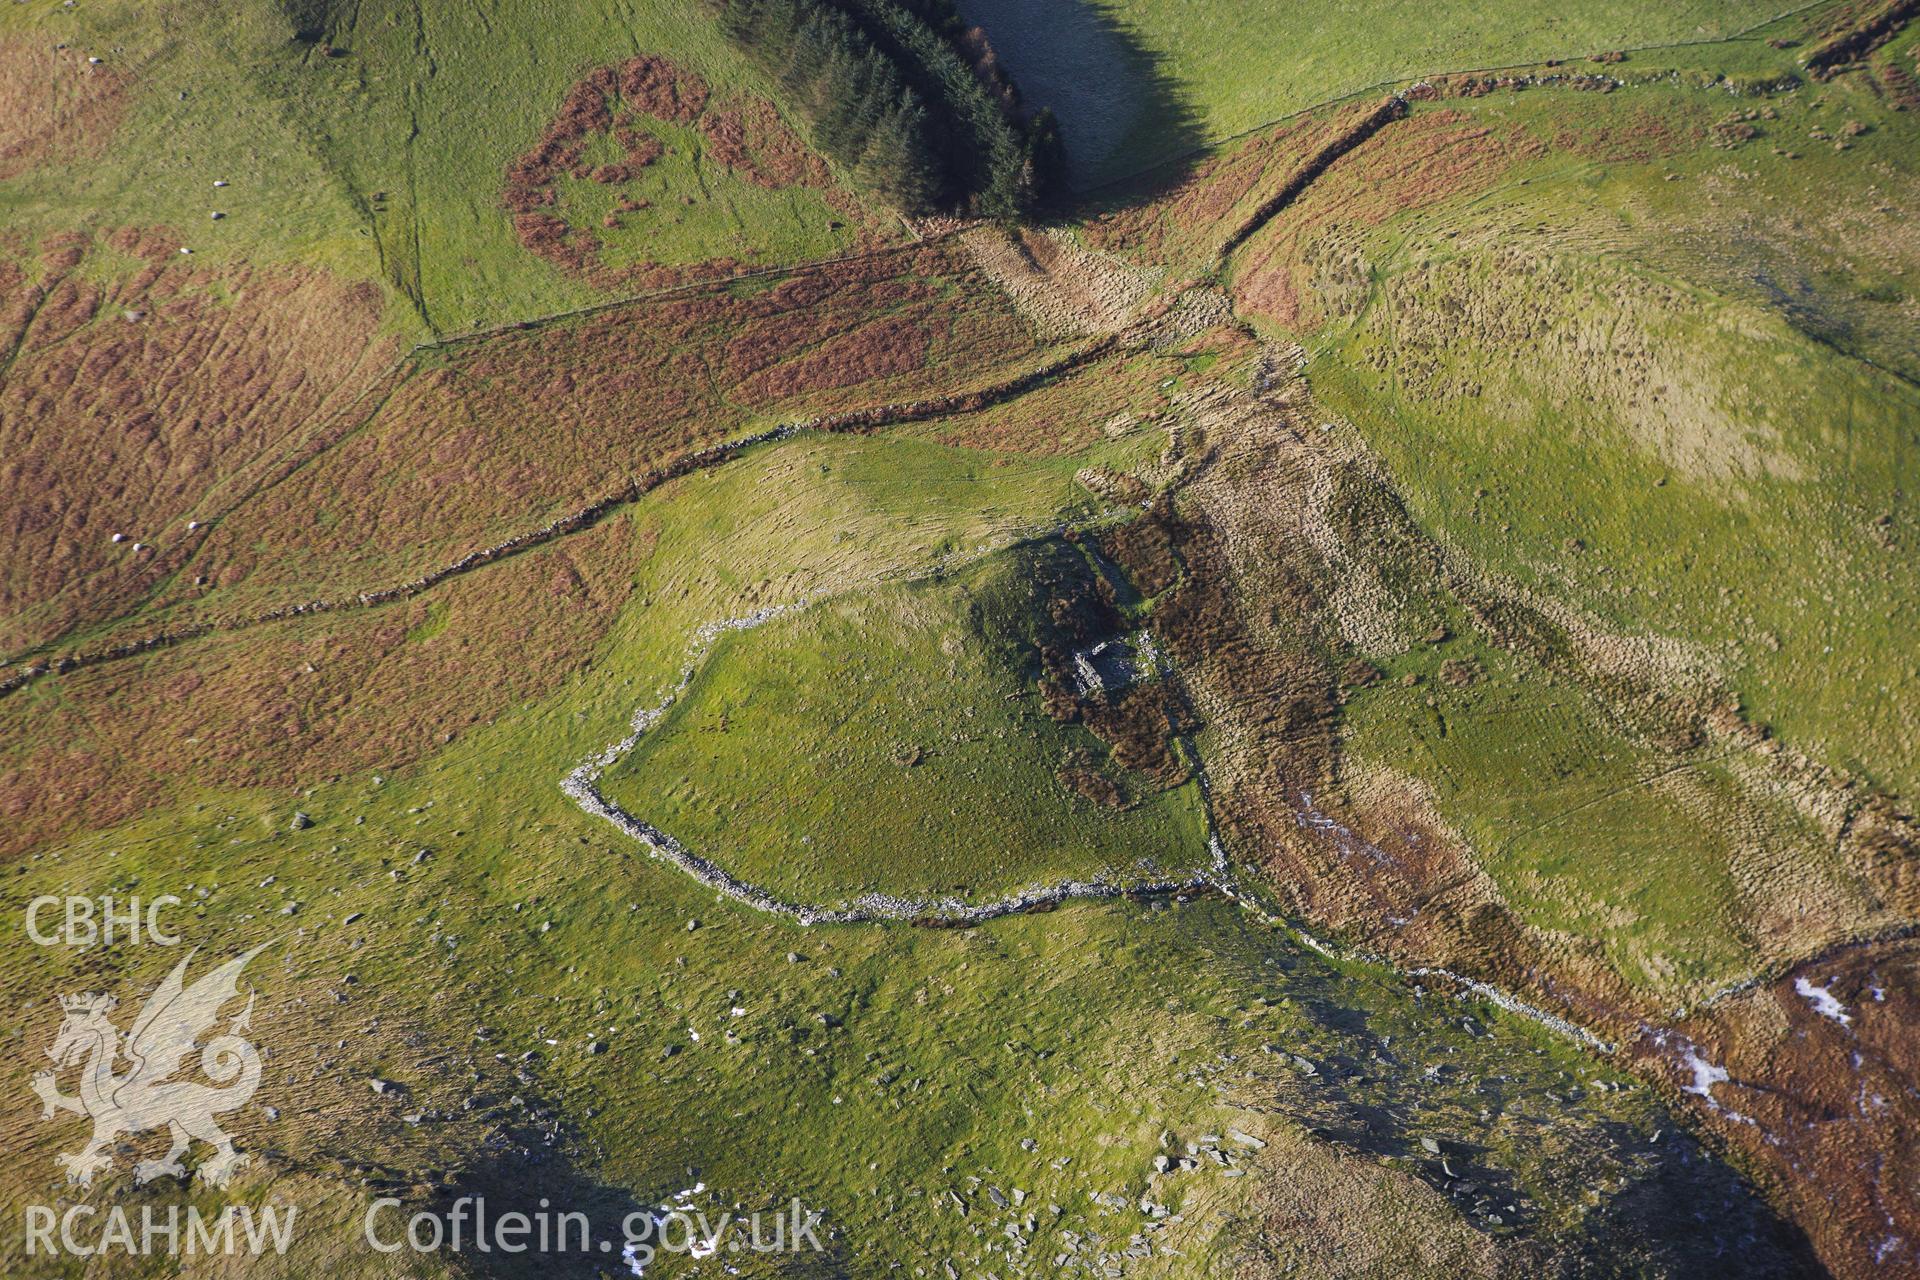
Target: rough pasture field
(508,437)
(642,181)
(311,698)
(374,140)
(640,388)
(834,751)
(58,106)
(143,393)
(1710,438)
(478,914)
(1208,73)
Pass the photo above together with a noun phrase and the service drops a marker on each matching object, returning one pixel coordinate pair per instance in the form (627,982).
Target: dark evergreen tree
(898,160)
(1047,157)
(891,94)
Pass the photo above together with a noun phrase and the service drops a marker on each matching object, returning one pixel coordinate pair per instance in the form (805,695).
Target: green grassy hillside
(556,543)
(551,1024)
(374,140)
(1176,74)
(843,750)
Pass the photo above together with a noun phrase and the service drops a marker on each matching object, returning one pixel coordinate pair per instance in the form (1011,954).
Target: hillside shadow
(537,1183)
(524,1174)
(1683,1212)
(1695,1215)
(1661,1201)
(1120,113)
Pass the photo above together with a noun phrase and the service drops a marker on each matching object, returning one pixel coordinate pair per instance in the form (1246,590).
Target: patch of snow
(1705,1076)
(1308,817)
(1823,1001)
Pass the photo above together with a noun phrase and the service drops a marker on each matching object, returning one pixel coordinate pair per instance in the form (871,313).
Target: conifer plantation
(903,95)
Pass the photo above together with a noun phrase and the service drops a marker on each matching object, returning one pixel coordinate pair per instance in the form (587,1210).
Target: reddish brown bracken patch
(1632,137)
(1828,1107)
(1175,223)
(54,105)
(756,144)
(896,344)
(135,403)
(296,704)
(746,136)
(498,436)
(1212,210)
(1902,87)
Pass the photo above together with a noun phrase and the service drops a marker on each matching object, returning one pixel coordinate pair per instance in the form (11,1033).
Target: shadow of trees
(1119,112)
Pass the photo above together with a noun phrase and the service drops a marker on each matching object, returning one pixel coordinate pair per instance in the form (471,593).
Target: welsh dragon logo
(144,1096)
